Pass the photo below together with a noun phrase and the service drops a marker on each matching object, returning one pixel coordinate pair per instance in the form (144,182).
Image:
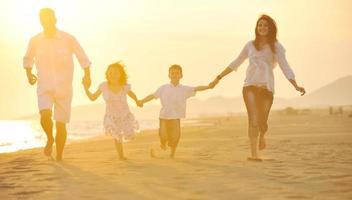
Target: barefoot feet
(48,149)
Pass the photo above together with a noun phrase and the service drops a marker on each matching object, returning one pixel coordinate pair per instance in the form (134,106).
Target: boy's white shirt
(173,100)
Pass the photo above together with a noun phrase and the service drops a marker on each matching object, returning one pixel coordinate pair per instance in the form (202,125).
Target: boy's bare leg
(163,133)
(47,125)
(174,136)
(119,149)
(60,140)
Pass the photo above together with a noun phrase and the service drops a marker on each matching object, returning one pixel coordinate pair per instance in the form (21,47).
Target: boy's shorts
(61,101)
(169,132)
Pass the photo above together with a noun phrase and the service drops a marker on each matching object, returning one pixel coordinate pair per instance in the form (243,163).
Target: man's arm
(28,61)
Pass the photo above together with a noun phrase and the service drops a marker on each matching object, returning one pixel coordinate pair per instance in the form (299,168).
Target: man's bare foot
(254,159)
(48,149)
(262,143)
(58,158)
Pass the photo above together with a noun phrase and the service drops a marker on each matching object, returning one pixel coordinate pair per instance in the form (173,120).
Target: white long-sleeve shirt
(261,65)
(53,58)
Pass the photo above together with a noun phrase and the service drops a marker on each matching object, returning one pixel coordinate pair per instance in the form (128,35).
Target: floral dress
(119,122)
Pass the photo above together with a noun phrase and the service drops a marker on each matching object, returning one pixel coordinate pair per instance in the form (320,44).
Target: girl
(263,54)
(119,122)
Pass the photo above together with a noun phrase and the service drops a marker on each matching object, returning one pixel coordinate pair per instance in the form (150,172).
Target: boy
(173,97)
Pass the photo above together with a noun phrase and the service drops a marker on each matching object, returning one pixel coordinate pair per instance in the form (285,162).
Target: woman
(263,54)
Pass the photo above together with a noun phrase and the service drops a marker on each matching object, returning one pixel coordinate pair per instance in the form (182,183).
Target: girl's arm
(202,88)
(92,96)
(134,97)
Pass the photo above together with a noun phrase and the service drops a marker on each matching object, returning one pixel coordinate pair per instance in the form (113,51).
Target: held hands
(139,103)
(86,81)
(213,83)
(301,90)
(32,79)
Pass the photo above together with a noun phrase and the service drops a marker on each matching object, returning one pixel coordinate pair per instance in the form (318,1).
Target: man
(52,53)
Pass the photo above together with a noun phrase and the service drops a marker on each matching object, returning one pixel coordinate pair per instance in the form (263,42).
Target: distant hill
(338,92)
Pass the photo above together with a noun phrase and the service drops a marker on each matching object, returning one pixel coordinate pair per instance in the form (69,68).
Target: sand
(308,157)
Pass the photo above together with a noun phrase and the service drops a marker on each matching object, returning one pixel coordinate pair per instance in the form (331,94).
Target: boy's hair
(121,67)
(175,66)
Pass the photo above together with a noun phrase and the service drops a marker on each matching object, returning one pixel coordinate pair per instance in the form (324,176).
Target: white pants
(60,99)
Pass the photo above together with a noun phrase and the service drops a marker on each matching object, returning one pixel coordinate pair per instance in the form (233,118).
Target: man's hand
(32,79)
(139,103)
(86,81)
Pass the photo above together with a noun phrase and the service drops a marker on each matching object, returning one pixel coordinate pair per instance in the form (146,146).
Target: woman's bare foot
(48,149)
(254,159)
(152,153)
(172,152)
(262,143)
(122,158)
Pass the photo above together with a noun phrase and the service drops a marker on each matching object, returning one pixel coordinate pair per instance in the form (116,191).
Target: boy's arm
(201,88)
(92,96)
(148,98)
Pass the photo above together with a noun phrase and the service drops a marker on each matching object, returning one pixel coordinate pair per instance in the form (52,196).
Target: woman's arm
(92,96)
(233,65)
(286,68)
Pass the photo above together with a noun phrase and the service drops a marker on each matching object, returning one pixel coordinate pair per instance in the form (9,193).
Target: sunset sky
(203,36)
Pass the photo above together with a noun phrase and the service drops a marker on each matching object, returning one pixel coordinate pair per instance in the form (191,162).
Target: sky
(203,36)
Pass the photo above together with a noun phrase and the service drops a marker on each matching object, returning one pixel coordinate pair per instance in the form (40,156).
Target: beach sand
(308,157)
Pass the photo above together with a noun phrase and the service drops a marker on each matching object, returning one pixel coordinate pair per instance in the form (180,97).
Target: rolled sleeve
(240,58)
(28,59)
(80,54)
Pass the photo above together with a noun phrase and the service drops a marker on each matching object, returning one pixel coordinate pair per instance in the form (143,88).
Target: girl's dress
(119,122)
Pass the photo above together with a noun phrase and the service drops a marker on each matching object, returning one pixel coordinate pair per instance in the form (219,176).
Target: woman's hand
(301,90)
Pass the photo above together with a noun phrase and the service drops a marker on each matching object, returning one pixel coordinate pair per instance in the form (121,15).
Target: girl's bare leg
(119,149)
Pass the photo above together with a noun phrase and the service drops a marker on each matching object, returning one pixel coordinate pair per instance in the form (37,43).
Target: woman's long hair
(271,36)
(121,68)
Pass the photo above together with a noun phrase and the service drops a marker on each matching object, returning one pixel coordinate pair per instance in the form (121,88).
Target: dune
(308,157)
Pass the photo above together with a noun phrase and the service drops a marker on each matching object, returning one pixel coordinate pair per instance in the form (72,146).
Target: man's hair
(46,11)
(176,67)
